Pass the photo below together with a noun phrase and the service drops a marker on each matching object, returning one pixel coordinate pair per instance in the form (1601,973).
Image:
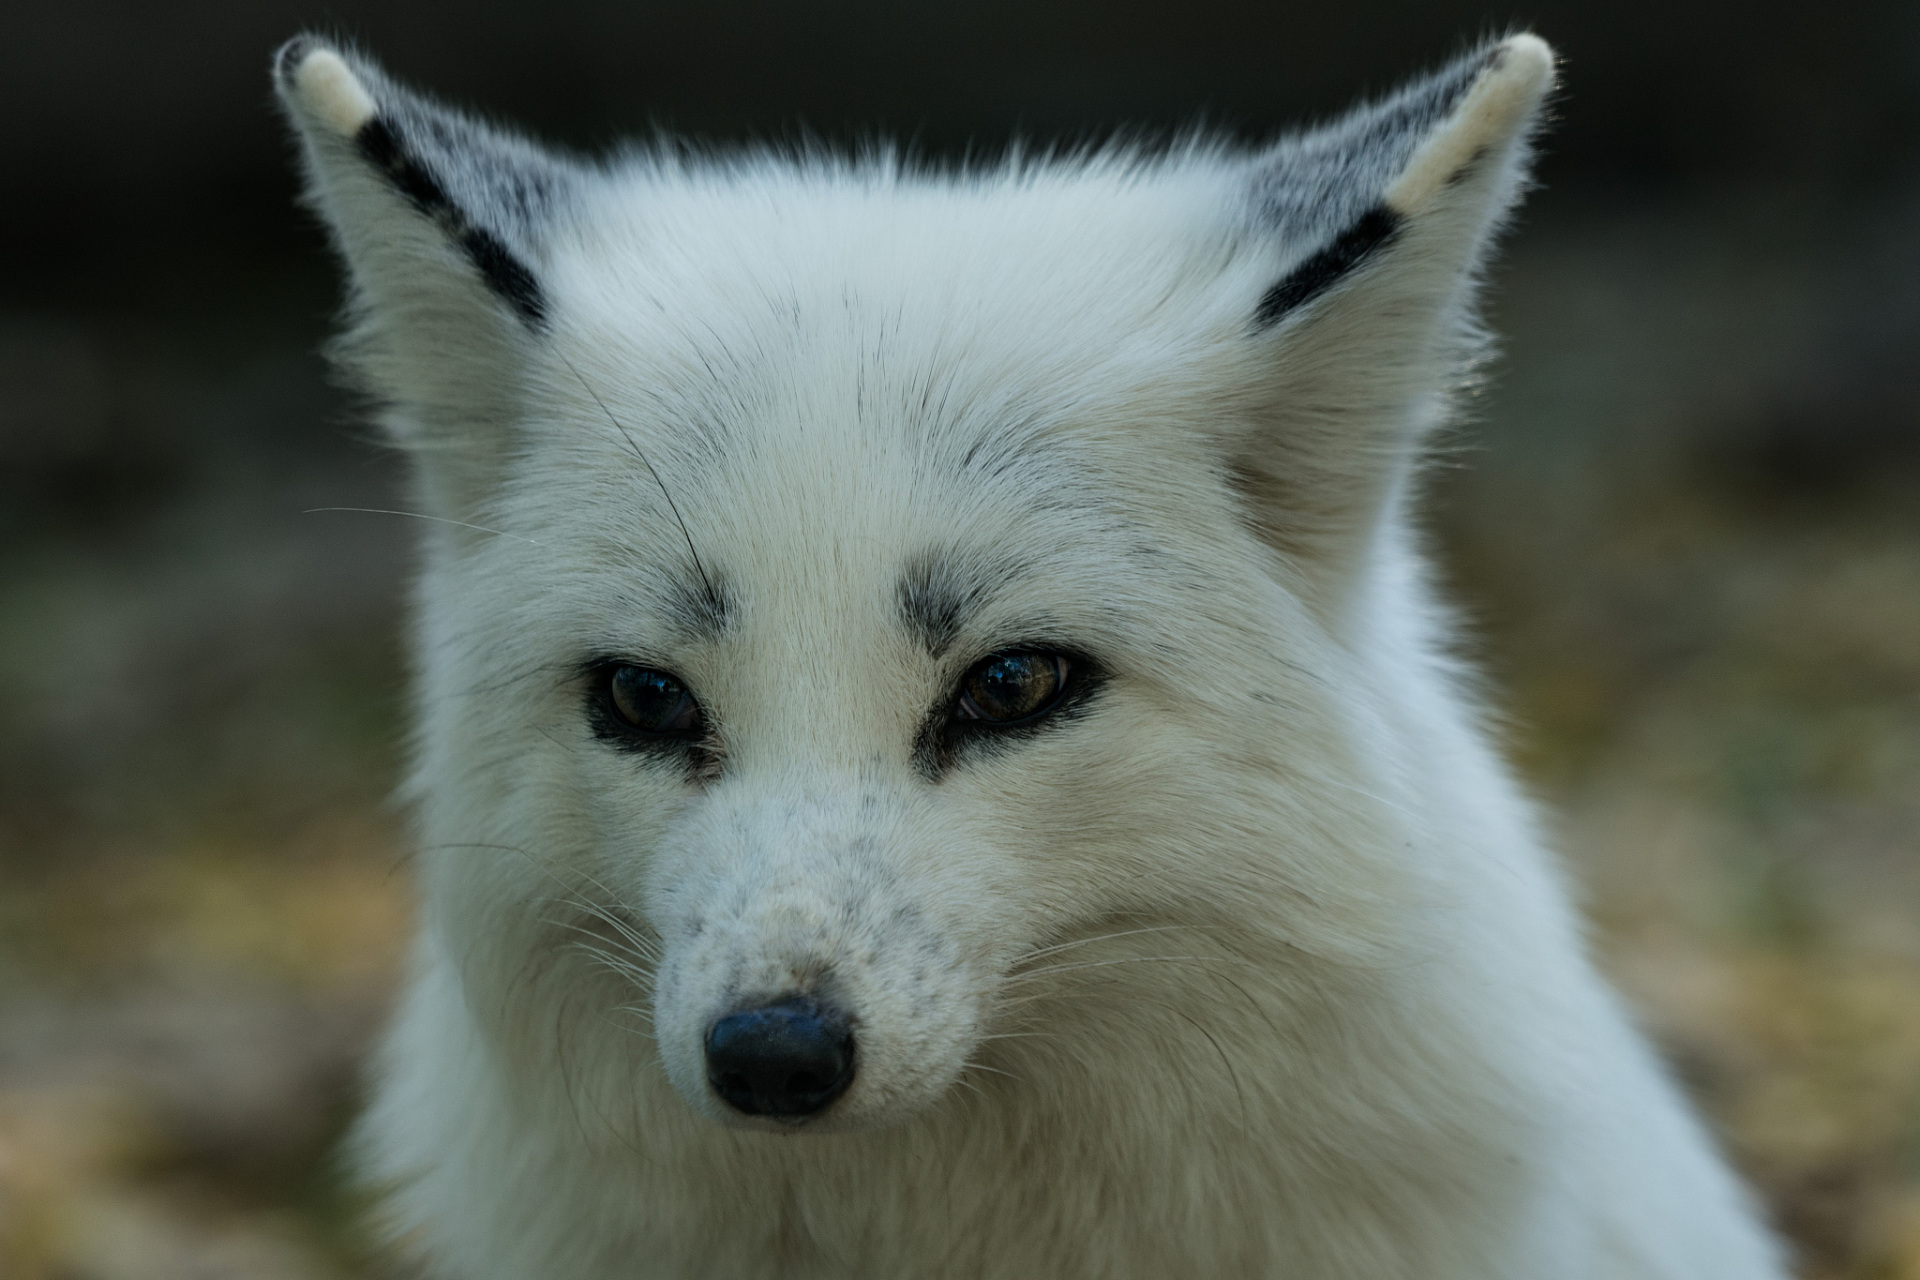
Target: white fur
(1256,967)
(326,83)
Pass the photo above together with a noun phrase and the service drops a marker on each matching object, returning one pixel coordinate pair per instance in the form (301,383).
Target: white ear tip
(328,89)
(1511,86)
(1491,114)
(1526,59)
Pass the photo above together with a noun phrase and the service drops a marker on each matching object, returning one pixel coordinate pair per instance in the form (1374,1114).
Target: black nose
(789,1058)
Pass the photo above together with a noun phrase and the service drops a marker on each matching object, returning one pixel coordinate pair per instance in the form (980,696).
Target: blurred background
(1684,524)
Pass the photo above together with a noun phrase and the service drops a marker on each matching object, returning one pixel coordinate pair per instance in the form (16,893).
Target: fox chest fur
(935,754)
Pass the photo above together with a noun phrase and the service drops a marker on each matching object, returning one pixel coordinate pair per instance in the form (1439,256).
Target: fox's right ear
(445,224)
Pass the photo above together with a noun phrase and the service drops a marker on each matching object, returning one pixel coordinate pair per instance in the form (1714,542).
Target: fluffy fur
(1248,962)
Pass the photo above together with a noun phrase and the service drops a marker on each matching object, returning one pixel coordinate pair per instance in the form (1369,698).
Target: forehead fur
(876,360)
(933,307)
(1107,240)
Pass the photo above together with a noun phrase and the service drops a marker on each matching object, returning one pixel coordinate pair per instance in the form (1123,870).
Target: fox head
(885,629)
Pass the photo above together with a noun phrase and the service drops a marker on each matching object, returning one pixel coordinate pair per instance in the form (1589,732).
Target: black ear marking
(1323,269)
(380,143)
(1330,186)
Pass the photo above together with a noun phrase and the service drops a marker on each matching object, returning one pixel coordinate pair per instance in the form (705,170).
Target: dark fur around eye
(647,710)
(1004,699)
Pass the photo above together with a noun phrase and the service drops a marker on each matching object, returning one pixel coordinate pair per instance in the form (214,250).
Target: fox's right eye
(646,701)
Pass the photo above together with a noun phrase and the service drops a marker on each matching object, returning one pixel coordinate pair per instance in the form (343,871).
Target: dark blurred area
(1684,524)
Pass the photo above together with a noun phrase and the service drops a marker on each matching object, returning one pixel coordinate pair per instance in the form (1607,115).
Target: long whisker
(634,445)
(980,1066)
(419,515)
(965,1083)
(637,974)
(641,945)
(639,1033)
(1023,1035)
(1087,942)
(637,1012)
(613,962)
(614,959)
(631,960)
(1102,964)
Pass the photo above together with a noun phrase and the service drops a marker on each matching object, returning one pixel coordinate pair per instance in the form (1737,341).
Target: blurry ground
(1685,528)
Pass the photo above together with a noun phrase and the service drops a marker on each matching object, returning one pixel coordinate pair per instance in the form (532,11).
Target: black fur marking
(699,610)
(938,593)
(381,145)
(935,601)
(1373,231)
(506,275)
(946,740)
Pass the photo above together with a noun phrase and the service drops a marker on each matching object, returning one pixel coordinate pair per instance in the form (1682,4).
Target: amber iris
(1007,688)
(651,701)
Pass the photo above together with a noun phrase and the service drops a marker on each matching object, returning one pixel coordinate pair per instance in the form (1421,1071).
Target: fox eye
(1009,688)
(651,702)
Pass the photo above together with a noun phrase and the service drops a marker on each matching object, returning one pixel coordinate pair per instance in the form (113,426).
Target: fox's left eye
(647,701)
(1011,688)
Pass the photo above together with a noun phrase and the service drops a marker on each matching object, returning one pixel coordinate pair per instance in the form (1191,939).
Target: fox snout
(817,971)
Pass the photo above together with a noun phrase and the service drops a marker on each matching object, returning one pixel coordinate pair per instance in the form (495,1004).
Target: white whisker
(421,515)
(1102,964)
(1104,937)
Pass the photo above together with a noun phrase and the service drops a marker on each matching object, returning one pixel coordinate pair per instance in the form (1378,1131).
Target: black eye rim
(947,738)
(968,714)
(609,721)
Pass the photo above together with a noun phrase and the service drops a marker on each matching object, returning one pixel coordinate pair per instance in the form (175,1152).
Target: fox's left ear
(445,224)
(1381,223)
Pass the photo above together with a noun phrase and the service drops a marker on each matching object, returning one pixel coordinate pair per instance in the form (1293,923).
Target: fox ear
(444,223)
(1382,221)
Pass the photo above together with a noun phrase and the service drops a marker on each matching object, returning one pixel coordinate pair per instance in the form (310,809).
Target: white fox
(936,756)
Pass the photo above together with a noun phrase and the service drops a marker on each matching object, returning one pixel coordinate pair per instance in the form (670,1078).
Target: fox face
(892,637)
(907,703)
